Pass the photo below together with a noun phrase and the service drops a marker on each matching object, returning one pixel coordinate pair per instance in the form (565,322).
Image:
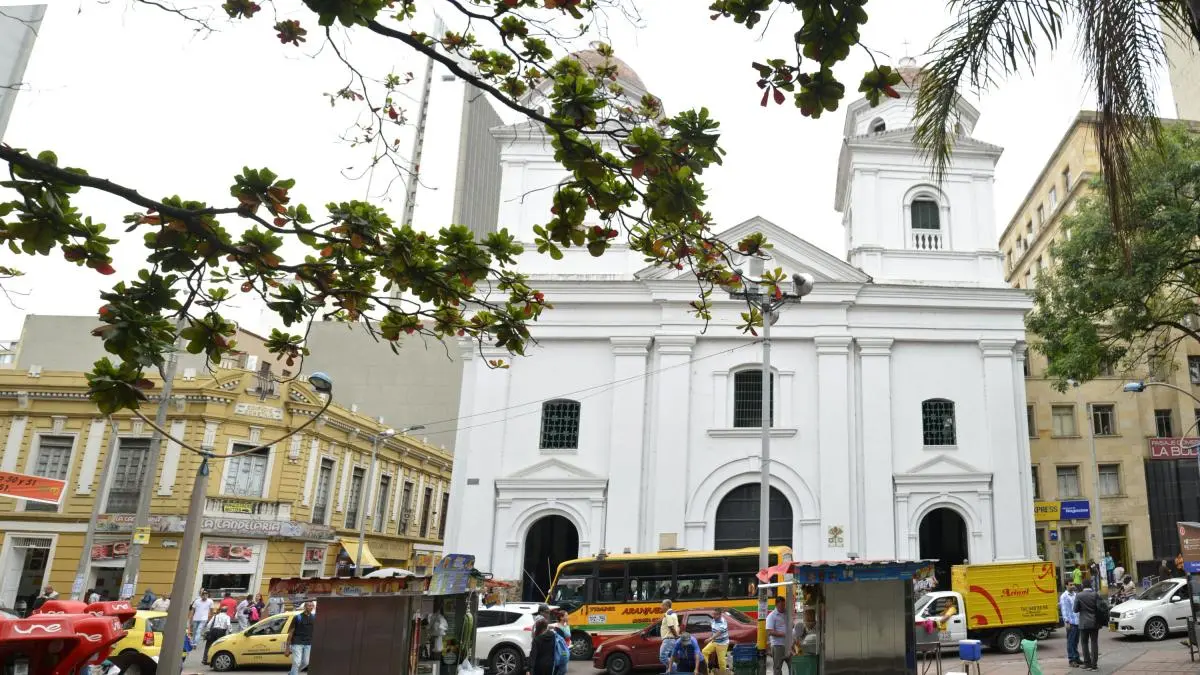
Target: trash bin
(805,664)
(745,654)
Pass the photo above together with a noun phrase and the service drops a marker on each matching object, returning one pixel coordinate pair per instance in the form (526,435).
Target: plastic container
(750,668)
(970,650)
(745,654)
(805,664)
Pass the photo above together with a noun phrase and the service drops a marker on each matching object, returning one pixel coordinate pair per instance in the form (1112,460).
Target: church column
(1001,417)
(478,457)
(833,439)
(668,490)
(625,444)
(877,466)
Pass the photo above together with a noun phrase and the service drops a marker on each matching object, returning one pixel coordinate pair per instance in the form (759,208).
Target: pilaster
(1007,473)
(877,495)
(833,409)
(672,405)
(625,444)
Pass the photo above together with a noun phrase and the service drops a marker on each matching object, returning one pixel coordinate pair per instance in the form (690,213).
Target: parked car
(145,633)
(504,636)
(262,644)
(1157,612)
(638,651)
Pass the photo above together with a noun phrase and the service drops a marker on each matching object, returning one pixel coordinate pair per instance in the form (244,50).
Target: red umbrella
(58,644)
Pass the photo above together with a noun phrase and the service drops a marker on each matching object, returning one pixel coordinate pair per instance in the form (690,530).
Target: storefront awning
(351,546)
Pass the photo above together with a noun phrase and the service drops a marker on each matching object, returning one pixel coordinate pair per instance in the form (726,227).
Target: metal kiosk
(856,617)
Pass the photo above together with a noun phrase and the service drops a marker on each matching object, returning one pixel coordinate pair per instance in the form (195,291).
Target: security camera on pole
(753,291)
(170,662)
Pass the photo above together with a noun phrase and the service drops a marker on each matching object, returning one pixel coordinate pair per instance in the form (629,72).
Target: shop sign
(349,587)
(314,555)
(237,507)
(1046,511)
(113,550)
(32,488)
(1174,448)
(219,525)
(237,553)
(1189,546)
(453,575)
(265,412)
(1076,509)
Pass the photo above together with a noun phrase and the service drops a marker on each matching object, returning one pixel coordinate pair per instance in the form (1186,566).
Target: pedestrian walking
(1164,570)
(1110,567)
(261,606)
(543,649)
(685,656)
(669,631)
(1077,576)
(147,600)
(1093,612)
(274,605)
(299,639)
(201,611)
(229,605)
(777,634)
(218,627)
(243,613)
(161,604)
(1066,607)
(719,644)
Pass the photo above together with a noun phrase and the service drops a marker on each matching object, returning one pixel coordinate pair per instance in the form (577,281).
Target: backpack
(562,655)
(254,613)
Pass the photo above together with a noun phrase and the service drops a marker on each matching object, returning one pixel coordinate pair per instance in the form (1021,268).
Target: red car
(637,651)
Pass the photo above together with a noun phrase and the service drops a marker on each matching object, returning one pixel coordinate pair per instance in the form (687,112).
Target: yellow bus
(616,594)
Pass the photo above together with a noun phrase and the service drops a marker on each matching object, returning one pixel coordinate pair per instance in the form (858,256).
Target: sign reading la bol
(1174,448)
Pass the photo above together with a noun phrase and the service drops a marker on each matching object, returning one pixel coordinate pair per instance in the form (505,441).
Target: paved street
(1117,655)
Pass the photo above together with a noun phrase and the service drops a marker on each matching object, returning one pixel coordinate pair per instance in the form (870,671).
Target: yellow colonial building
(292,509)
(1140,486)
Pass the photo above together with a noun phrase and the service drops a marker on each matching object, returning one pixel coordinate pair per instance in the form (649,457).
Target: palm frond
(1121,44)
(988,41)
(1181,16)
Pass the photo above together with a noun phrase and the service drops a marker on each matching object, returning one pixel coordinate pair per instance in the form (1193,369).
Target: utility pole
(133,563)
(101,493)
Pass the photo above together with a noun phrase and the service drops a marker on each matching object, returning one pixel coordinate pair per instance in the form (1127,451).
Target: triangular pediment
(552,469)
(941,465)
(788,251)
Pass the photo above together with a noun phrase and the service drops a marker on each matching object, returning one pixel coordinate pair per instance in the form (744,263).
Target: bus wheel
(581,646)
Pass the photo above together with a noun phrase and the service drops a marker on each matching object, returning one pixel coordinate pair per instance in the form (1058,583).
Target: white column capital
(668,343)
(875,346)
(832,344)
(629,346)
(997,348)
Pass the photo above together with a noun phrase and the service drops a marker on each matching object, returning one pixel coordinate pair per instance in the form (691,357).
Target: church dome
(592,59)
(909,71)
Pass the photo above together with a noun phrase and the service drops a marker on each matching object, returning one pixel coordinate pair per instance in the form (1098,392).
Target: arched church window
(747,398)
(925,215)
(560,424)
(937,421)
(878,125)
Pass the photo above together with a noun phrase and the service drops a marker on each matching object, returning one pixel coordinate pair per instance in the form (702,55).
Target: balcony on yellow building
(263,509)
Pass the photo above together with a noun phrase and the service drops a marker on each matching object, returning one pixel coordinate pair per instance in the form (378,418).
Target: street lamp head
(1134,387)
(387,433)
(321,382)
(802,284)
(415,427)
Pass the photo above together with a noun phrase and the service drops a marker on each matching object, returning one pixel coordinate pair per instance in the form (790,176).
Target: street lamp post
(362,507)
(754,294)
(170,662)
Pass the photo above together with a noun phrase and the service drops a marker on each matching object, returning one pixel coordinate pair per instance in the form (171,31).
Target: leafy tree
(635,171)
(1107,304)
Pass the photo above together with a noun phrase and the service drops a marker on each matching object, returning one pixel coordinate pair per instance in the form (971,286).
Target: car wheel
(506,660)
(581,646)
(618,664)
(1156,629)
(222,661)
(1009,641)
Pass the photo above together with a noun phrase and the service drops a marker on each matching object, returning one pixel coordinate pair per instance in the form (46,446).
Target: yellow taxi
(263,644)
(145,634)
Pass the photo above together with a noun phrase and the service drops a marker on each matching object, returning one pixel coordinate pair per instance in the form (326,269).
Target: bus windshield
(569,593)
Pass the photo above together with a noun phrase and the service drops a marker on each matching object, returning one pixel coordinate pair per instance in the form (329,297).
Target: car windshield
(1158,591)
(921,602)
(569,593)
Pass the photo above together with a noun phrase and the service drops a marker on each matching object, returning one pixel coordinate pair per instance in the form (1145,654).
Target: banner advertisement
(228,553)
(113,550)
(1174,448)
(1189,546)
(32,488)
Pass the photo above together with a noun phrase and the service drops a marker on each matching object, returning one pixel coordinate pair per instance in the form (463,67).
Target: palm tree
(1120,43)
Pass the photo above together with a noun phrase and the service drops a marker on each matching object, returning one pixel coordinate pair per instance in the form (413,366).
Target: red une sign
(1174,448)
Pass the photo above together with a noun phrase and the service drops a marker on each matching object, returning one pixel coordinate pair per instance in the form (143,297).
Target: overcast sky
(134,95)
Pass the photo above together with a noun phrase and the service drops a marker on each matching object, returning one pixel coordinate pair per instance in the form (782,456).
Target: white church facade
(898,425)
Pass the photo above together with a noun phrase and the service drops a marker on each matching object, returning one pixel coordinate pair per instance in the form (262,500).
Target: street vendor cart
(382,625)
(854,616)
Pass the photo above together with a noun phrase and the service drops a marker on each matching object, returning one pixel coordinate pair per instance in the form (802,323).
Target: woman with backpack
(548,654)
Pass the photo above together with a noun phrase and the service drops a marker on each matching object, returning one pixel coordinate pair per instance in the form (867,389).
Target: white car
(1157,612)
(504,636)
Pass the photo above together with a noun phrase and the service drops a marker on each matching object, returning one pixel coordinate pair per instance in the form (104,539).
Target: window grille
(747,398)
(560,425)
(937,421)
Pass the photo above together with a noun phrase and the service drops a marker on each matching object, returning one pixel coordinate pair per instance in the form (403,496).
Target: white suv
(504,636)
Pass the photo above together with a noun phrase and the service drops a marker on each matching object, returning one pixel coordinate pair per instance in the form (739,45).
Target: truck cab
(933,606)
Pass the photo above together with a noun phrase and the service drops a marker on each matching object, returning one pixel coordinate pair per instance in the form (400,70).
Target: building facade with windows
(1142,483)
(896,415)
(291,509)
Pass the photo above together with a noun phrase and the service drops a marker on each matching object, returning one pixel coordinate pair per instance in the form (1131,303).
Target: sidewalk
(1162,662)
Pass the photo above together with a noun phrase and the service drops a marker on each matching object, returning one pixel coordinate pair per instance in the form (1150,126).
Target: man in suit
(1093,613)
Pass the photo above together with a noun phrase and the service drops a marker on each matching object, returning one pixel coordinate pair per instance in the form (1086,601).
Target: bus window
(650,580)
(699,578)
(743,579)
(610,582)
(570,588)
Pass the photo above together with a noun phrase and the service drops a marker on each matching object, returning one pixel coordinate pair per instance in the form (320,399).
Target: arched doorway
(943,537)
(550,541)
(737,518)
